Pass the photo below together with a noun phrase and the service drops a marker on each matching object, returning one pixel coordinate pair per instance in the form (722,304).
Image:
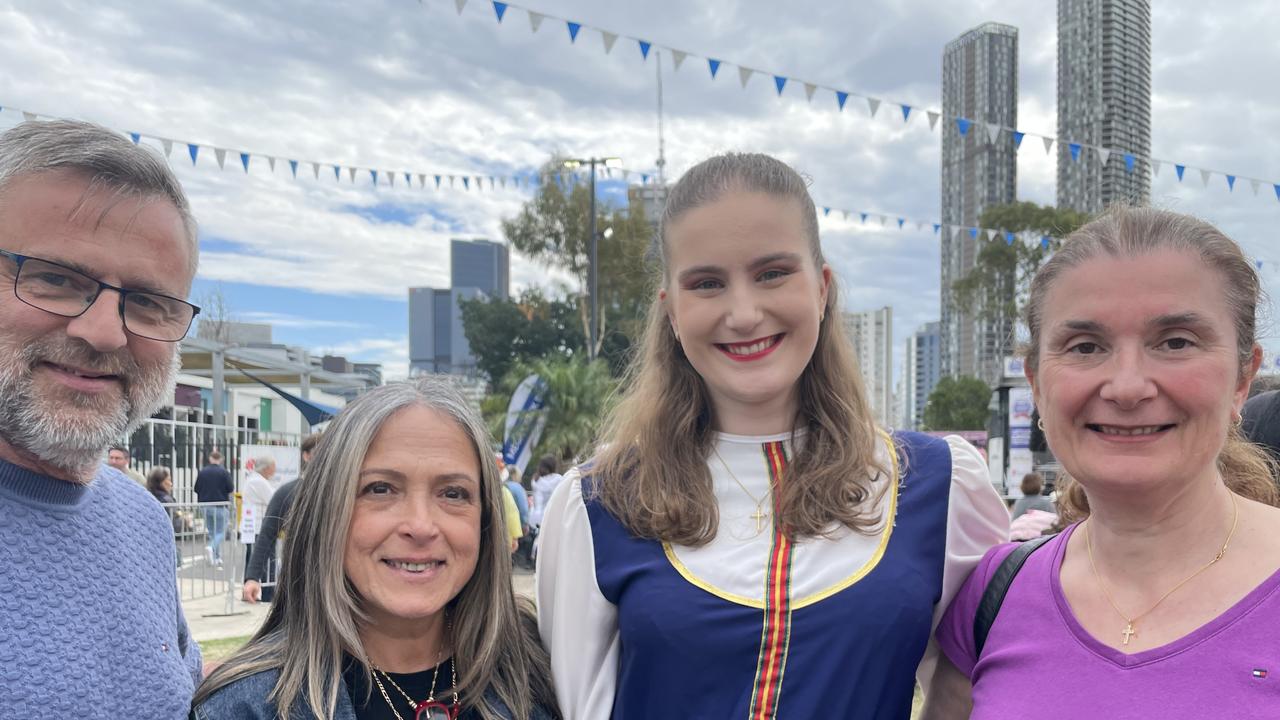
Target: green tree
(552,229)
(957,404)
(504,333)
(580,392)
(995,290)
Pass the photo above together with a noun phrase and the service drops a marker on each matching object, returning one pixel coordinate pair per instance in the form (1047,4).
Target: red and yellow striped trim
(775,636)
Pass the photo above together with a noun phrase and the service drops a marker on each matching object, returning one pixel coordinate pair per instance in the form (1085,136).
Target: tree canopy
(957,404)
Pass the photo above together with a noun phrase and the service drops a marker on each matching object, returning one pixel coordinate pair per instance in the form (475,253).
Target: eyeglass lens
(66,292)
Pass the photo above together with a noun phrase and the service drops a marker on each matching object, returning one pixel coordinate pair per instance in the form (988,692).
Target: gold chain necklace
(760,514)
(1129,632)
(431,694)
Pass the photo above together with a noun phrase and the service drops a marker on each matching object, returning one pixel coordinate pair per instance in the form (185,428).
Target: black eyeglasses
(58,289)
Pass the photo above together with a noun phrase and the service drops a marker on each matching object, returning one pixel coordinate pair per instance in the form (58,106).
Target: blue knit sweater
(90,621)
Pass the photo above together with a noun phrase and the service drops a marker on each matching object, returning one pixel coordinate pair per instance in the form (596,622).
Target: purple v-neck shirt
(1039,662)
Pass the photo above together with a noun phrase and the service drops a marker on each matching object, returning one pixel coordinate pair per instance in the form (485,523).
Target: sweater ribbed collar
(33,488)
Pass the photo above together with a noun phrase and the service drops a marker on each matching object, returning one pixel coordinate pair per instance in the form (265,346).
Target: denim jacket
(246,699)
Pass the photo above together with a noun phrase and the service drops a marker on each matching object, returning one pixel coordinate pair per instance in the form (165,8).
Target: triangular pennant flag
(1180,169)
(535,21)
(168,146)
(906,114)
(422,180)
(437,178)
(466,182)
(1048,145)
(479,183)
(1008,238)
(846,214)
(135,137)
(714,65)
(1259,264)
(809,89)
(900,222)
(408,180)
(780,82)
(293,167)
(1044,241)
(993,132)
(991,235)
(864,216)
(609,39)
(271,163)
(1277,187)
(504,182)
(874,105)
(1017,139)
(1231,183)
(1128,163)
(221,155)
(500,9)
(919,225)
(933,119)
(1204,177)
(936,228)
(28,116)
(244,160)
(460,4)
(744,74)
(573,30)
(841,97)
(351,173)
(826,211)
(1075,151)
(1105,155)
(192,149)
(1155,167)
(973,233)
(962,125)
(677,58)
(337,173)
(315,170)
(644,49)
(391,178)
(1254,184)
(883,220)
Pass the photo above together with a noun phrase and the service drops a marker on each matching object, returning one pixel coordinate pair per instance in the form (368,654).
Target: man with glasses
(97,251)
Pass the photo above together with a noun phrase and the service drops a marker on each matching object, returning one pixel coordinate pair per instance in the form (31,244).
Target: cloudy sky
(417,87)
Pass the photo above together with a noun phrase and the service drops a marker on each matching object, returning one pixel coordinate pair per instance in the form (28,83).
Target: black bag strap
(998,587)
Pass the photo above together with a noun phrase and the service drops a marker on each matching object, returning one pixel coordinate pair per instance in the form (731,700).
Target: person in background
(395,597)
(511,517)
(262,562)
(523,556)
(544,484)
(97,249)
(214,485)
(1032,486)
(118,458)
(256,496)
(1160,597)
(1261,422)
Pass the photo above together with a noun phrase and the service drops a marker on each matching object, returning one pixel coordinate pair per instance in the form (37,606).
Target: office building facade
(437,341)
(921,372)
(872,336)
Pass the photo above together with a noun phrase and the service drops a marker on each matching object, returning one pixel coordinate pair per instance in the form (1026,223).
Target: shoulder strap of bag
(998,587)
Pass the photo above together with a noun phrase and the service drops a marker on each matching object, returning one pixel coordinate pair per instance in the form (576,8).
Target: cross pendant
(759,517)
(1128,632)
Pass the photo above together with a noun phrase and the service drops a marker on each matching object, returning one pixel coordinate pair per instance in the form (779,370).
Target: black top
(264,546)
(417,685)
(213,484)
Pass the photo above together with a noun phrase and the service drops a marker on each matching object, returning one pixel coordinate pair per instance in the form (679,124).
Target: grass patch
(218,650)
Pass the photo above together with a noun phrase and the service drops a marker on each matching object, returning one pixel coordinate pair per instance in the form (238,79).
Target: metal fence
(207,552)
(184,448)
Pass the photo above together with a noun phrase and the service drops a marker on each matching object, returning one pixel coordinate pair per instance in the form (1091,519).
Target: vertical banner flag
(526,417)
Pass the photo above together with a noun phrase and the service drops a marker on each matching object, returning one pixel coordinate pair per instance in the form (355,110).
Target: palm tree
(580,393)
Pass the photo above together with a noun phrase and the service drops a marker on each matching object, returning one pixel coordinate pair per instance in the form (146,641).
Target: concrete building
(921,372)
(437,342)
(1104,100)
(872,335)
(979,169)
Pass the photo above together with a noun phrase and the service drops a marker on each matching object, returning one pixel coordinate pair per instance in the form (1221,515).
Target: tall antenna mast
(662,155)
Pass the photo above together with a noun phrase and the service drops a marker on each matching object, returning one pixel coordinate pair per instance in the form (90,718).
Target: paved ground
(209,618)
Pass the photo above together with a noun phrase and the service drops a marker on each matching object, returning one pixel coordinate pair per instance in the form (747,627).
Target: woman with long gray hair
(748,543)
(395,599)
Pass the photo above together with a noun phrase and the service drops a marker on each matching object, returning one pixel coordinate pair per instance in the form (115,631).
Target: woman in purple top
(1162,599)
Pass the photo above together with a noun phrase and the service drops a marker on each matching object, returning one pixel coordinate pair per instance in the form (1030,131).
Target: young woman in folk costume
(747,543)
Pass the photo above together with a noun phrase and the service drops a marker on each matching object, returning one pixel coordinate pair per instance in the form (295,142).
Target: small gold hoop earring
(1040,424)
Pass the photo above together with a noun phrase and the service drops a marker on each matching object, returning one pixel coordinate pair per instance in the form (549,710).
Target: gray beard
(72,431)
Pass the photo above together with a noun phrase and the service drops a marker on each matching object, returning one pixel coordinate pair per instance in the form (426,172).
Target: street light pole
(592,252)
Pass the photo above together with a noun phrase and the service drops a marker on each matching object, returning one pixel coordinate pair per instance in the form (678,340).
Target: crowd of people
(742,541)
